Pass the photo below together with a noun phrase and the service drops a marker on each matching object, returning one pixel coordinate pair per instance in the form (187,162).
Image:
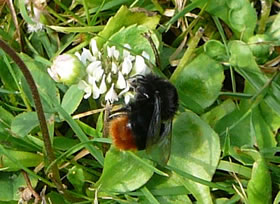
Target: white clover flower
(95,69)
(112,52)
(67,68)
(86,88)
(126,66)
(95,91)
(121,83)
(103,86)
(126,53)
(114,68)
(111,95)
(140,66)
(87,56)
(93,47)
(109,78)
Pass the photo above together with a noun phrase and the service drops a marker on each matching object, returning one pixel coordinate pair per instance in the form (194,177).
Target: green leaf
(27,159)
(239,15)
(195,150)
(259,188)
(244,63)
(64,143)
(122,173)
(216,50)
(72,99)
(133,35)
(25,122)
(200,81)
(274,29)
(169,189)
(123,18)
(76,178)
(10,184)
(218,112)
(6,117)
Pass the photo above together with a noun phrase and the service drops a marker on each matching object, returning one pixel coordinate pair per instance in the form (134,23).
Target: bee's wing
(155,124)
(159,136)
(160,151)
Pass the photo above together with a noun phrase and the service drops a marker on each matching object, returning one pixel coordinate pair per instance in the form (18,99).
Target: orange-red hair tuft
(121,133)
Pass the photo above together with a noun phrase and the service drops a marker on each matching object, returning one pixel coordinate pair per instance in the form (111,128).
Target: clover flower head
(67,68)
(107,71)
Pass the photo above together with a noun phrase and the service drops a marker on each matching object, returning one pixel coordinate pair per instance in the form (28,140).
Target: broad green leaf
(274,29)
(215,114)
(133,35)
(27,159)
(25,122)
(270,116)
(76,178)
(122,172)
(259,188)
(200,81)
(10,184)
(123,18)
(72,99)
(241,55)
(168,189)
(261,47)
(216,50)
(239,15)
(244,63)
(238,128)
(195,150)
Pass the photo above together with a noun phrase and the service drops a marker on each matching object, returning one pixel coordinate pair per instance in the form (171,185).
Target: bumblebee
(146,121)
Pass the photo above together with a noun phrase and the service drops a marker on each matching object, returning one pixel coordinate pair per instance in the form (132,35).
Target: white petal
(53,74)
(140,66)
(78,55)
(121,83)
(95,69)
(88,92)
(109,78)
(127,97)
(111,95)
(145,55)
(82,85)
(126,66)
(86,55)
(103,86)
(93,46)
(114,68)
(126,53)
(110,51)
(116,54)
(125,90)
(95,91)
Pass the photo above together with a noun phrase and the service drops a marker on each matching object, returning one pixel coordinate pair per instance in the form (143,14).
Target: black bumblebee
(146,122)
